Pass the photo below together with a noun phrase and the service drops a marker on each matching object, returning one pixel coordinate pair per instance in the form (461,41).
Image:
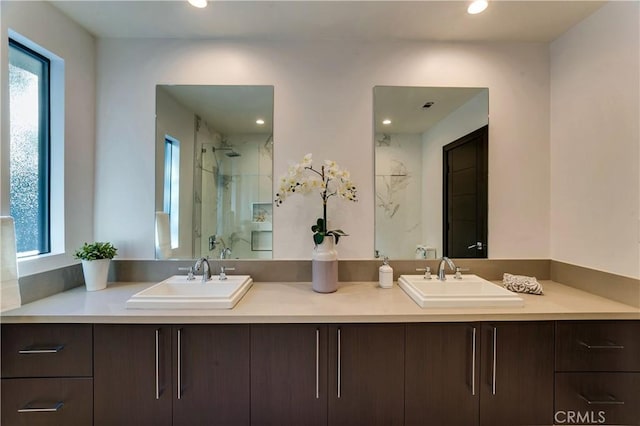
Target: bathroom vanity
(285,355)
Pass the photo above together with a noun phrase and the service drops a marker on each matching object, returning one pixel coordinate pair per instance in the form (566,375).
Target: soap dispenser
(385,274)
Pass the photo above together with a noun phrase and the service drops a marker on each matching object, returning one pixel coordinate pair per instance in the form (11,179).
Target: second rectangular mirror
(431,172)
(214,157)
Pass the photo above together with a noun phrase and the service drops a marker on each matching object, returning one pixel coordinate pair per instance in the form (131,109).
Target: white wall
(48,27)
(175,120)
(595,141)
(323,104)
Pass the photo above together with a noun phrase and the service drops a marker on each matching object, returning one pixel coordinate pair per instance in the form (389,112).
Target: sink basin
(470,291)
(177,292)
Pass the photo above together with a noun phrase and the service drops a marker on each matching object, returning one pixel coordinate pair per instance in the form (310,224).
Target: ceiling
(403,106)
(517,20)
(228,109)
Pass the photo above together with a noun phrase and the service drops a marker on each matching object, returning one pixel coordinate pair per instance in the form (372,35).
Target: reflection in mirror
(214,163)
(422,134)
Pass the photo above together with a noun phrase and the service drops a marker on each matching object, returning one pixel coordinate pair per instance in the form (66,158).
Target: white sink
(470,291)
(177,292)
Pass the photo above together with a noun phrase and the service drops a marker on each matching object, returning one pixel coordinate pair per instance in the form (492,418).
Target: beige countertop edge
(354,302)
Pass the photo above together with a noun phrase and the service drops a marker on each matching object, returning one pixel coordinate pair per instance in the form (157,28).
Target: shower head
(231,154)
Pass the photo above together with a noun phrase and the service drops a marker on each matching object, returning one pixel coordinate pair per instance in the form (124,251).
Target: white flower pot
(95,273)
(324,267)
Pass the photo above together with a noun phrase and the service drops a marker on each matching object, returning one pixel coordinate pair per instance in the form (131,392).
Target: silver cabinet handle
(157,363)
(41,349)
(31,409)
(339,364)
(179,374)
(317,363)
(609,345)
(611,400)
(495,361)
(473,362)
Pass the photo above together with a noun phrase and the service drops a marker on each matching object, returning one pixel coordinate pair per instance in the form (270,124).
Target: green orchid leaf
(336,237)
(318,238)
(315,228)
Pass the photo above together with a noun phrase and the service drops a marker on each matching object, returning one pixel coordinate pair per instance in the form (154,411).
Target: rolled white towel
(163,236)
(521,284)
(9,289)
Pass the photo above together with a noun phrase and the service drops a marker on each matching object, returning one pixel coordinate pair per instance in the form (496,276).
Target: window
(29,148)
(172,186)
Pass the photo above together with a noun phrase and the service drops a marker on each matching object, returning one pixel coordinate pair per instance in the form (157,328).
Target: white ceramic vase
(324,266)
(95,273)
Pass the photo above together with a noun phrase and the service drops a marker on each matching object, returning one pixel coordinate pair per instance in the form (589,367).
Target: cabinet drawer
(46,350)
(605,398)
(39,402)
(598,346)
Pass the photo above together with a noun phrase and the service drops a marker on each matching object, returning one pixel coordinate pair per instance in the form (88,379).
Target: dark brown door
(211,375)
(366,374)
(132,375)
(442,382)
(288,375)
(517,374)
(465,165)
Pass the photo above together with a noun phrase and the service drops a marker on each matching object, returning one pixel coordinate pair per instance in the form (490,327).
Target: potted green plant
(95,259)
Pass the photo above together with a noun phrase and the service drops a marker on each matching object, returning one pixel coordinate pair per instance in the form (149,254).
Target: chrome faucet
(206,268)
(441,268)
(225,253)
(223,272)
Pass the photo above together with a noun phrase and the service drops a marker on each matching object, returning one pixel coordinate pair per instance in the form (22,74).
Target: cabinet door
(517,374)
(211,371)
(366,374)
(442,374)
(288,375)
(132,375)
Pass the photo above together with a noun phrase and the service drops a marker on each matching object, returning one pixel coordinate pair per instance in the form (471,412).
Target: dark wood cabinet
(288,375)
(599,398)
(366,374)
(598,346)
(517,374)
(46,350)
(442,374)
(211,371)
(598,372)
(132,380)
(154,375)
(47,402)
(47,374)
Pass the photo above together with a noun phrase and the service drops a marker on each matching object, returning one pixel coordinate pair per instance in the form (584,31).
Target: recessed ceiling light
(477,6)
(260,121)
(198,3)
(386,121)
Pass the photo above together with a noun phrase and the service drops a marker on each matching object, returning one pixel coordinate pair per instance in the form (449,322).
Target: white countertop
(279,302)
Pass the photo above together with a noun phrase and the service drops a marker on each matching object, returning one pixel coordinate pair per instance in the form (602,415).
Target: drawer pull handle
(157,363)
(609,345)
(317,363)
(41,349)
(473,362)
(610,400)
(41,409)
(339,356)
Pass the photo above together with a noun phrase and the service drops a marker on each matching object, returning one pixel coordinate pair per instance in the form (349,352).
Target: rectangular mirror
(431,172)
(214,167)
